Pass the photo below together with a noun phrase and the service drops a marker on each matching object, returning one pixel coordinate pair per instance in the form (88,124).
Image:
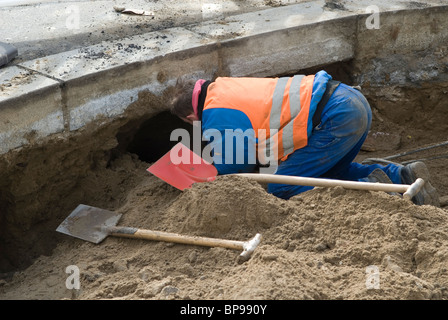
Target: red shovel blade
(181,167)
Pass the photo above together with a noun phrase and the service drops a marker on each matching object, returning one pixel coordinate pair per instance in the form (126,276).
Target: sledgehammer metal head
(414,189)
(249,247)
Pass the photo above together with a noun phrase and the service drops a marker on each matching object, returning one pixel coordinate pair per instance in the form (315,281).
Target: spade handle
(128,232)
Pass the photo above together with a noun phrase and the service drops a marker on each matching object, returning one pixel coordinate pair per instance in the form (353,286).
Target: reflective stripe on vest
(287,134)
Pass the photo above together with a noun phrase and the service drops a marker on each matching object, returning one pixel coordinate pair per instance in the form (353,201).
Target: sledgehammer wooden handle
(409,190)
(248,247)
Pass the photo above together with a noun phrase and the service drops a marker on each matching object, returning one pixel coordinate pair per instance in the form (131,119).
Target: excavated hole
(152,139)
(41,185)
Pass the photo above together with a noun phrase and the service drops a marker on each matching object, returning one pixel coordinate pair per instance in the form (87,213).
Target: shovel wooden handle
(128,232)
(409,190)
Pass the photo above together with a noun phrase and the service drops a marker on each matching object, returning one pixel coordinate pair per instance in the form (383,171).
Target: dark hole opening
(152,138)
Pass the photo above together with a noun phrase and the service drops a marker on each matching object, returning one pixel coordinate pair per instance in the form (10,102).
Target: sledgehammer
(94,225)
(183,175)
(409,191)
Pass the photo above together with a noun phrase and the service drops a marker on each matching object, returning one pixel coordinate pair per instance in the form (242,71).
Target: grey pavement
(39,28)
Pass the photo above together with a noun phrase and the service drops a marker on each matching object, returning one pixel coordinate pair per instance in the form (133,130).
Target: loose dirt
(322,244)
(327,243)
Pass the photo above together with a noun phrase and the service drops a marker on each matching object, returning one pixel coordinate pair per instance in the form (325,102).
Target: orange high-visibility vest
(278,108)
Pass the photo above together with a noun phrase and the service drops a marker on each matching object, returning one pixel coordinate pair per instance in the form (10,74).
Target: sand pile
(327,243)
(231,207)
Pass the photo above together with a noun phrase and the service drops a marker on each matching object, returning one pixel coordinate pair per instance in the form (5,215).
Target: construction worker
(308,126)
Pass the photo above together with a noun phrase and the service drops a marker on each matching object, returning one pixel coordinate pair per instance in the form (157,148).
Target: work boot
(428,194)
(380,176)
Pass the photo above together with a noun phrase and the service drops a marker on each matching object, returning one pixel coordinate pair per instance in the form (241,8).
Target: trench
(42,184)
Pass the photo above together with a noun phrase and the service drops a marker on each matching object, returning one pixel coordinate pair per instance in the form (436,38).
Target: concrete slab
(269,20)
(416,49)
(108,55)
(100,77)
(41,28)
(30,107)
(87,98)
(100,81)
(16,82)
(282,39)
